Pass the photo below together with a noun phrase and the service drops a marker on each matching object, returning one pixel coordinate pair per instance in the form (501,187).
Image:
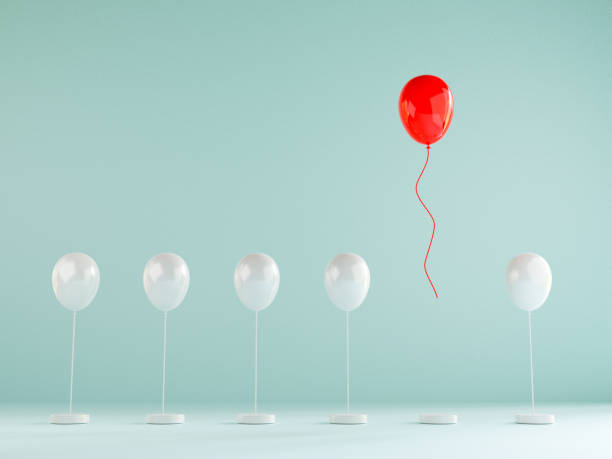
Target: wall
(218,129)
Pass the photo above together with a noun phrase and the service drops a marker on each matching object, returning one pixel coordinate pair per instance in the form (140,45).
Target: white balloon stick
(72,361)
(255,377)
(164,367)
(531,364)
(255,417)
(348,397)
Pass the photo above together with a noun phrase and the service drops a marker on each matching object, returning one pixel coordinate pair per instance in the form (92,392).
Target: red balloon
(426,108)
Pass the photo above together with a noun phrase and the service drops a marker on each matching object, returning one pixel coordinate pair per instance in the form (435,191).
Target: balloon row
(76,279)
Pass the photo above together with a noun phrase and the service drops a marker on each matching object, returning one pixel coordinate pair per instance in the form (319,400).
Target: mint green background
(218,129)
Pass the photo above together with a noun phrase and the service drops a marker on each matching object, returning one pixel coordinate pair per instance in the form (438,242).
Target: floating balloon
(426,109)
(75,280)
(529,279)
(347,281)
(256,280)
(166,281)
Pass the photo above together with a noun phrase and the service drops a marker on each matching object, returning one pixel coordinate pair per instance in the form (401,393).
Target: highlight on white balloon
(256,280)
(75,280)
(166,281)
(529,279)
(347,281)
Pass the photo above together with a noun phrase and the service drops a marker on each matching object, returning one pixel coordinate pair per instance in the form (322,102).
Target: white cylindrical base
(165,419)
(348,418)
(535,418)
(256,418)
(69,419)
(438,418)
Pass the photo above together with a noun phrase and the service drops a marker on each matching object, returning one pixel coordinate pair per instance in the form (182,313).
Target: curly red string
(416,187)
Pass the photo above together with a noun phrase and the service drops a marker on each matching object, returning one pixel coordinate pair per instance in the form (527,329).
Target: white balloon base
(256,418)
(438,418)
(165,419)
(535,418)
(348,418)
(69,419)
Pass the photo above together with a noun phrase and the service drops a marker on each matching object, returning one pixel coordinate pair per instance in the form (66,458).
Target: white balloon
(256,280)
(529,279)
(75,280)
(166,281)
(347,281)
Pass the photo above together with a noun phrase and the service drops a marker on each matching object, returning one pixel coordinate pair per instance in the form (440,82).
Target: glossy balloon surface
(166,281)
(347,281)
(75,280)
(529,279)
(426,108)
(256,280)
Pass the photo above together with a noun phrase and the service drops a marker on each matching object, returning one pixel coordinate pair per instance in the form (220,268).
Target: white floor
(484,431)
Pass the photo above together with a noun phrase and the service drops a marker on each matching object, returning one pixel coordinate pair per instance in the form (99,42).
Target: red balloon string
(416,187)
